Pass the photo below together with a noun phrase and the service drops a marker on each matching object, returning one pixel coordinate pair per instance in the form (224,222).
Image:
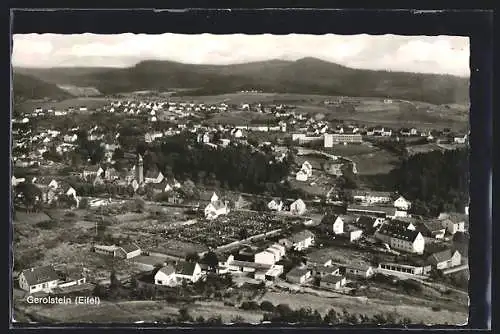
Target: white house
(334,282)
(338,225)
(460,140)
(445,259)
(301,175)
(402,204)
(265,257)
(401,239)
(453,227)
(153,177)
(38,279)
(307,168)
(371,197)
(302,240)
(275,205)
(298,207)
(166,276)
(188,271)
(298,275)
(216,208)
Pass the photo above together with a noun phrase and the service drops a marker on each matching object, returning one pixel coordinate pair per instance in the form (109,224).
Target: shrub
(267,306)
(436,308)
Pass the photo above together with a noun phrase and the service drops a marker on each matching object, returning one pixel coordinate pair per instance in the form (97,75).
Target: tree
(243,234)
(30,193)
(192,257)
(139,205)
(212,260)
(184,315)
(267,306)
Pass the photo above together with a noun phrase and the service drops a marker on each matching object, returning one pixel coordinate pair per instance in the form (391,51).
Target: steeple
(139,170)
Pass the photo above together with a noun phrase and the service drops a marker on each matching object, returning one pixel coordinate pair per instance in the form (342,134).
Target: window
(44,285)
(160,282)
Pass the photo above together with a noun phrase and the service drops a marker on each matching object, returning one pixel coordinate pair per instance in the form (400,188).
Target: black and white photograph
(225,179)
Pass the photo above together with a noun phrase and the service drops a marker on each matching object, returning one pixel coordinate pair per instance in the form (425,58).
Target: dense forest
(435,181)
(241,167)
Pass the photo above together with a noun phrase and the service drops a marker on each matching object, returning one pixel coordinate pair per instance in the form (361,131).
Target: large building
(401,239)
(339,138)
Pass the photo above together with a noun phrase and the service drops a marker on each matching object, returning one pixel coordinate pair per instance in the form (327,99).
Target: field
(417,311)
(239,118)
(91,103)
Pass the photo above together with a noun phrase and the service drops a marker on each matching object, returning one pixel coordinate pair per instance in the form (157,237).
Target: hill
(304,76)
(28,87)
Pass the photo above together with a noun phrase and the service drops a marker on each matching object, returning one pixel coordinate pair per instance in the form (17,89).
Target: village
(127,219)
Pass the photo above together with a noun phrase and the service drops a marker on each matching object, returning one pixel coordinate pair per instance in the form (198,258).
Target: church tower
(139,170)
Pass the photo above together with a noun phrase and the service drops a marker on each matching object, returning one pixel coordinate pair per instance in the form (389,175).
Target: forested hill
(28,87)
(435,181)
(304,76)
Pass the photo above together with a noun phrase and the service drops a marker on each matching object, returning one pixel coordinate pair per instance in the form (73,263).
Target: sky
(424,54)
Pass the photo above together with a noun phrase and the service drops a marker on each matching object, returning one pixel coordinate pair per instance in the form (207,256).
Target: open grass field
(377,162)
(419,311)
(239,118)
(91,103)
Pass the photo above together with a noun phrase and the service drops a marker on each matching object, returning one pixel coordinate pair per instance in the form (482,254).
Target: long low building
(397,268)
(337,138)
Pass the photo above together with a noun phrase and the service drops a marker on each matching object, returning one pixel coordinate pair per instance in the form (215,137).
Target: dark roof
(373,209)
(371,193)
(365,221)
(332,279)
(152,174)
(326,270)
(130,247)
(398,232)
(433,225)
(297,272)
(185,268)
(400,223)
(442,256)
(93,168)
(40,275)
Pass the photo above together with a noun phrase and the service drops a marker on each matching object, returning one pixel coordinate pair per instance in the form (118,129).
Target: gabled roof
(433,225)
(375,209)
(442,256)
(325,270)
(130,247)
(365,221)
(92,168)
(185,268)
(398,232)
(371,193)
(152,174)
(40,275)
(332,279)
(297,272)
(217,205)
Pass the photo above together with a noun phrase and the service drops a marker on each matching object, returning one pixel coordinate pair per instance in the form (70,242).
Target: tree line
(435,181)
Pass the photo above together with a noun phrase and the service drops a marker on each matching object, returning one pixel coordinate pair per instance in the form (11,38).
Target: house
(15,181)
(275,205)
(432,229)
(92,171)
(46,183)
(38,279)
(453,227)
(126,251)
(337,227)
(368,224)
(401,239)
(402,203)
(153,177)
(129,251)
(445,259)
(322,271)
(301,176)
(216,208)
(334,282)
(371,197)
(166,276)
(188,271)
(265,257)
(333,168)
(302,240)
(354,270)
(307,168)
(298,207)
(352,233)
(460,139)
(404,224)
(298,275)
